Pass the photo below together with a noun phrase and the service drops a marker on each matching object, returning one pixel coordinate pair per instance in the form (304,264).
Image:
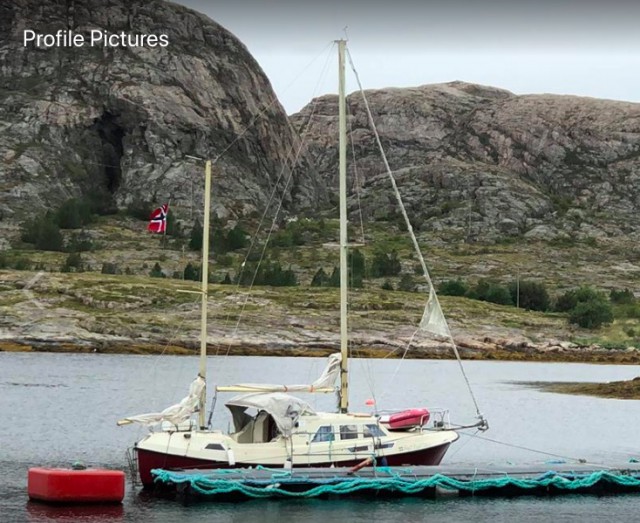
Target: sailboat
(286,431)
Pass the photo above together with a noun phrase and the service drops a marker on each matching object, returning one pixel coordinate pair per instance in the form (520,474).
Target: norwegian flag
(158,221)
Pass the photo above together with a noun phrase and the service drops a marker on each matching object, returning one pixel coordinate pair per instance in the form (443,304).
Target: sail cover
(325,383)
(433,320)
(284,409)
(175,414)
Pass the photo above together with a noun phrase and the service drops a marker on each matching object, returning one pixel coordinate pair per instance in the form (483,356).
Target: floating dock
(422,481)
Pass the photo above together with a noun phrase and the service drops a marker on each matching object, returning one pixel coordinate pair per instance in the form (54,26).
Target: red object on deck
(407,419)
(76,486)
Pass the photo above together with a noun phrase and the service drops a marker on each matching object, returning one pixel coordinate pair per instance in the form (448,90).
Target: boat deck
(549,478)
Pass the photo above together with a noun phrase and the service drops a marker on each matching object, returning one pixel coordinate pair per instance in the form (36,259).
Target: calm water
(56,409)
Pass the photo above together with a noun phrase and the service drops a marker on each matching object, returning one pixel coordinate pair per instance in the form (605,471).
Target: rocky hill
(116,123)
(481,164)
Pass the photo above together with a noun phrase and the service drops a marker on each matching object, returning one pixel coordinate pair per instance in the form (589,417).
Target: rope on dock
(209,485)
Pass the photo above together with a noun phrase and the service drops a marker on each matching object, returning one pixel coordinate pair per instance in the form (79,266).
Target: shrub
(320,278)
(156,271)
(49,237)
(191,272)
(43,232)
(533,295)
(591,314)
(622,297)
(73,263)
(195,238)
(486,290)
(227,279)
(334,279)
(385,264)
(236,239)
(22,264)
(453,288)
(79,243)
(570,299)
(110,268)
(406,283)
(387,286)
(140,210)
(74,214)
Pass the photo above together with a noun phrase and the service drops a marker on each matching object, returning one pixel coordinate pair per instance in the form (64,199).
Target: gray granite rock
(118,122)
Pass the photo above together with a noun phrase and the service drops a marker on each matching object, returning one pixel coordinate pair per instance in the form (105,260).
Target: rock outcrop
(481,163)
(117,123)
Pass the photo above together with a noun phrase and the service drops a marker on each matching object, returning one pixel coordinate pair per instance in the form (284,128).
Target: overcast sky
(579,47)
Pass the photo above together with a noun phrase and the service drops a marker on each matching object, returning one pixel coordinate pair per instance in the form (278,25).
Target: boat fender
(231,457)
(360,465)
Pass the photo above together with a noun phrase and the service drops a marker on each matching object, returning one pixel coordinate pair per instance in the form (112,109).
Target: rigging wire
(294,162)
(413,237)
(520,447)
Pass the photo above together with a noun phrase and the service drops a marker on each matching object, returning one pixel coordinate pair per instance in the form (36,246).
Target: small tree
(195,238)
(74,214)
(385,264)
(334,279)
(591,314)
(624,297)
(486,290)
(49,237)
(387,286)
(570,299)
(320,278)
(532,295)
(191,272)
(407,283)
(73,263)
(110,268)
(236,239)
(453,288)
(156,271)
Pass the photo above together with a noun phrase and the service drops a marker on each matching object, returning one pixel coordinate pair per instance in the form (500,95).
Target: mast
(342,119)
(204,293)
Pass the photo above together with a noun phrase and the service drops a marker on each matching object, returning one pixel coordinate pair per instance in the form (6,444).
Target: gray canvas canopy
(284,409)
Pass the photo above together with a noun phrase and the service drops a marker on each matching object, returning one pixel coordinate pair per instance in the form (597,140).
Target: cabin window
(348,432)
(373,431)
(324,433)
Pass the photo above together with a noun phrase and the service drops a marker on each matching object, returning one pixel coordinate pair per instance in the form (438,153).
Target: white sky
(579,47)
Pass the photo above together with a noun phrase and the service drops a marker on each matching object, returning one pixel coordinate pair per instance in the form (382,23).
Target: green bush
(191,272)
(141,210)
(407,283)
(74,214)
(110,268)
(533,295)
(385,264)
(493,292)
(195,238)
(73,263)
(387,286)
(320,278)
(79,243)
(570,299)
(156,271)
(453,288)
(591,314)
(622,297)
(22,264)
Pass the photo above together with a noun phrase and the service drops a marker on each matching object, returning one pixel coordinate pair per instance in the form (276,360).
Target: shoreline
(579,355)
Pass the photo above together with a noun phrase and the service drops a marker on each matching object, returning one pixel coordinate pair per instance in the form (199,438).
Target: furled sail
(325,383)
(433,320)
(175,414)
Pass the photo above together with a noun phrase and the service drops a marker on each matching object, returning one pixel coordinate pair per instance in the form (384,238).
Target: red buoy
(76,486)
